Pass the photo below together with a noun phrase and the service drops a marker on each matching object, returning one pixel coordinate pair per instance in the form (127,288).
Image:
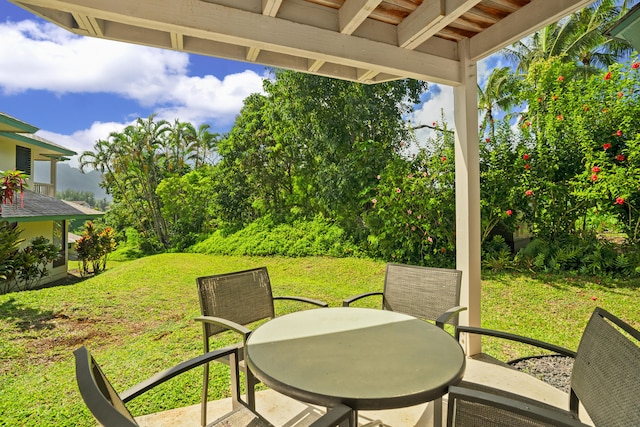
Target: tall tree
(133,163)
(315,145)
(500,93)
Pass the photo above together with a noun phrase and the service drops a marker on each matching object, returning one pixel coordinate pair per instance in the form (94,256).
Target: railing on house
(46,189)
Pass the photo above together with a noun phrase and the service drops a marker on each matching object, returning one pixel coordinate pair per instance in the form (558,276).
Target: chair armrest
(333,416)
(229,324)
(513,337)
(444,317)
(526,408)
(348,301)
(163,376)
(303,299)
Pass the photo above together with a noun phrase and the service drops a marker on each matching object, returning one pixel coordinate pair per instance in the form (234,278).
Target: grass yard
(136,318)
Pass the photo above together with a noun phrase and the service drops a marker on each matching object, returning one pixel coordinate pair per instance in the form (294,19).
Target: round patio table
(364,358)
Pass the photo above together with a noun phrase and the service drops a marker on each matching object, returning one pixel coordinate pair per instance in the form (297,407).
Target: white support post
(468,194)
(53,171)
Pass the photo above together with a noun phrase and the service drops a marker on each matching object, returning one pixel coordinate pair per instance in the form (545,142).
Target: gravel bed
(554,370)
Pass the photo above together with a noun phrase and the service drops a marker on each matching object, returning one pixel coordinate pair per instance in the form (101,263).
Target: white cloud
(55,60)
(83,140)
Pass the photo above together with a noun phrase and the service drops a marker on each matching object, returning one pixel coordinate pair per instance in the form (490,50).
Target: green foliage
(29,264)
(135,161)
(587,255)
(411,211)
(93,247)
(186,206)
(265,237)
(9,243)
(313,145)
(129,247)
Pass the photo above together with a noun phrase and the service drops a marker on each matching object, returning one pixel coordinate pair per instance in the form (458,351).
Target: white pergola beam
(428,19)
(354,12)
(271,7)
(228,25)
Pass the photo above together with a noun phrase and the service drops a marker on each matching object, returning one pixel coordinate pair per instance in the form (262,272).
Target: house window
(23,159)
(60,242)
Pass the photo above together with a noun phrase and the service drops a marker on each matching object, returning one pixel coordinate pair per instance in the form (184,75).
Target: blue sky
(79,89)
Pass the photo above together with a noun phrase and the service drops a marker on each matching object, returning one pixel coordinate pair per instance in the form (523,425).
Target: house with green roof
(38,212)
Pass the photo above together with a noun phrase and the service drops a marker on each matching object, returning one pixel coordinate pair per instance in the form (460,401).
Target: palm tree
(577,38)
(202,145)
(499,94)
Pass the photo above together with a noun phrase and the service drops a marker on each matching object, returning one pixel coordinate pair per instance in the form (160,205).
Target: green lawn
(136,318)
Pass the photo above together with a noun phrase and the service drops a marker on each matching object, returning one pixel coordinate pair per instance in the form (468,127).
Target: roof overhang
(628,28)
(11,124)
(367,41)
(57,151)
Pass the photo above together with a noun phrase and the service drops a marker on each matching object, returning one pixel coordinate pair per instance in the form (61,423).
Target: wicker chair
(605,379)
(424,292)
(108,407)
(230,302)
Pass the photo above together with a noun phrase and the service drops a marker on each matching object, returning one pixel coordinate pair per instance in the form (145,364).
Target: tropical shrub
(29,265)
(12,185)
(411,212)
(264,237)
(9,242)
(93,247)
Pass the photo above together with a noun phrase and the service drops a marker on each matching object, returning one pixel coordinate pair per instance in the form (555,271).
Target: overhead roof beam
(219,23)
(354,12)
(429,18)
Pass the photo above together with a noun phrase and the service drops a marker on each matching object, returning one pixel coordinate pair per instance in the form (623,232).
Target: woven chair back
(243,297)
(606,371)
(422,292)
(98,394)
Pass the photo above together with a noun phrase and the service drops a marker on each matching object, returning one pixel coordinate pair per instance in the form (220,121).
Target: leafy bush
(411,214)
(129,248)
(585,254)
(93,247)
(9,242)
(28,266)
(264,237)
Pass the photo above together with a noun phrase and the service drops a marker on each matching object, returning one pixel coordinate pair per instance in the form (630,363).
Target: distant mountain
(69,178)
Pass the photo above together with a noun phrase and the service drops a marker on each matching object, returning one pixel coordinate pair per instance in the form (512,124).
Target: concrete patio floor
(286,412)
(283,411)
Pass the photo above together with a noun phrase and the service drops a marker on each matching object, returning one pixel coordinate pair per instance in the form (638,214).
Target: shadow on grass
(26,318)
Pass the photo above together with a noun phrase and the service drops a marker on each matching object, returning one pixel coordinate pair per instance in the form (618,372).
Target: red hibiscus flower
(528,193)
(620,157)
(527,166)
(594,177)
(619,201)
(560,117)
(444,159)
(619,132)
(607,76)
(560,78)
(595,169)
(606,146)
(509,212)
(635,65)
(525,156)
